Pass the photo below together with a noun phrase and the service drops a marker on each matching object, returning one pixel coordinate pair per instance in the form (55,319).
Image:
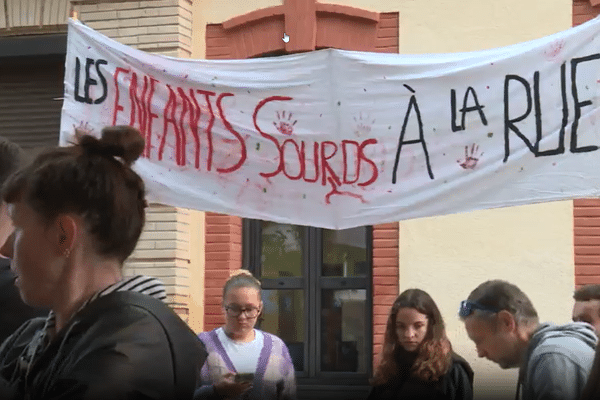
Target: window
(317,297)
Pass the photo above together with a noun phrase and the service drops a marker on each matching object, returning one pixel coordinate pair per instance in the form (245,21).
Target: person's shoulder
(271,335)
(133,331)
(461,366)
(116,318)
(572,337)
(206,334)
(209,338)
(278,346)
(20,338)
(574,342)
(27,330)
(274,338)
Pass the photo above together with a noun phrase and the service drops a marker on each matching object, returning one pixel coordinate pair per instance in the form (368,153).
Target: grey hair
(502,295)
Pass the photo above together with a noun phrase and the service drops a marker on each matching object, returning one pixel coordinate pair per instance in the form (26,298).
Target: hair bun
(120,141)
(242,272)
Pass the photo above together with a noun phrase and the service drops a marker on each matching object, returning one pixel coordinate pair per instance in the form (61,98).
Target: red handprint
(471,157)
(284,126)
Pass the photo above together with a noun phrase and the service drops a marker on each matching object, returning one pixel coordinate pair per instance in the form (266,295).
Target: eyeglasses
(235,311)
(467,307)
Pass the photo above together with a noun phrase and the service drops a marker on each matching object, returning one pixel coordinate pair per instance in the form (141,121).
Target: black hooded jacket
(13,311)
(124,345)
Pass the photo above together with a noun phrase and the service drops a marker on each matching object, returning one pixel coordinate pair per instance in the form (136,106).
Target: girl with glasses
(244,362)
(417,361)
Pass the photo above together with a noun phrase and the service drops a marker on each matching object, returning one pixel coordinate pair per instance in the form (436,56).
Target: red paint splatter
(334,190)
(554,50)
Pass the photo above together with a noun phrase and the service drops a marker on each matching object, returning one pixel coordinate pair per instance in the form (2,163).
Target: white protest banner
(338,139)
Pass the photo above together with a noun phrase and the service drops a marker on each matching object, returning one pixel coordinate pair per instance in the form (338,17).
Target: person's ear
(506,321)
(64,233)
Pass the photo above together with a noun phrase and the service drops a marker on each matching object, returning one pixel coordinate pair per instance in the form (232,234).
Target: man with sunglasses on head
(554,361)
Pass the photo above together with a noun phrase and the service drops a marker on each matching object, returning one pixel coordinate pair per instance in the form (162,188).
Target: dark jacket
(114,348)
(13,312)
(456,384)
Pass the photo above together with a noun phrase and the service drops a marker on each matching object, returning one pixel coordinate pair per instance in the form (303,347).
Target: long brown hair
(434,355)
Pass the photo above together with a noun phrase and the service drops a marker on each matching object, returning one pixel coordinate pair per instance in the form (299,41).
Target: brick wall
(168,248)
(163,252)
(223,256)
(385,279)
(244,37)
(40,16)
(387,33)
(586,241)
(159,26)
(584,10)
(586,212)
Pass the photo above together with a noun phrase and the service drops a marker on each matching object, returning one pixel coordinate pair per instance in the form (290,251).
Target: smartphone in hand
(244,377)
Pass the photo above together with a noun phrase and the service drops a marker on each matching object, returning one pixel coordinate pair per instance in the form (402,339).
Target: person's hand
(226,387)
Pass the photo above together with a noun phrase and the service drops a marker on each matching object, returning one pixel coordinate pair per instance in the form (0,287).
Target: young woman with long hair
(417,361)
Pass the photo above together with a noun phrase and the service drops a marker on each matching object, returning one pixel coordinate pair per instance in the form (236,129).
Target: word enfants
(328,162)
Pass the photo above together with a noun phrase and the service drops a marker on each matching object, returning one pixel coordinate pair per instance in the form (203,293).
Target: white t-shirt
(244,356)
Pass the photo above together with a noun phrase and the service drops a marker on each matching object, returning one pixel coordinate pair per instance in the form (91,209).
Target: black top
(13,312)
(456,384)
(122,346)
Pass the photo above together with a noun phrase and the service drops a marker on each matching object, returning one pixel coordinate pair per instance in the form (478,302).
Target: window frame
(312,282)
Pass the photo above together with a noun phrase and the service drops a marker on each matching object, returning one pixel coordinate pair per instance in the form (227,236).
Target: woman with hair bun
(417,361)
(243,362)
(78,213)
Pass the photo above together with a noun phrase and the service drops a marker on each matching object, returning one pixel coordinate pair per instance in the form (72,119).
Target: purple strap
(221,350)
(261,368)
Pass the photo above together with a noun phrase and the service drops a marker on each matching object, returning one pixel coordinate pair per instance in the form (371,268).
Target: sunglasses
(467,307)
